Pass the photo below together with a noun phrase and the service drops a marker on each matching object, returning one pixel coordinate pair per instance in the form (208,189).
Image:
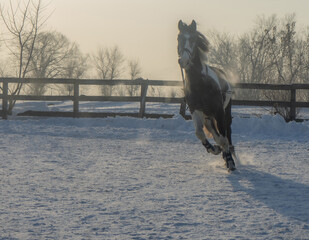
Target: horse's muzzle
(185,59)
(184,63)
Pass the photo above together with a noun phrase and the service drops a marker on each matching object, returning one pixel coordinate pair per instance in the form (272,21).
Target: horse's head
(189,42)
(187,39)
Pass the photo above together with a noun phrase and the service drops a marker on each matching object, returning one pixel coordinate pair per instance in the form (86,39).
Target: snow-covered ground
(128,178)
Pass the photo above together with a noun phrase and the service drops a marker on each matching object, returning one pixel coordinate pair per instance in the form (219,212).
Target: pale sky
(147,29)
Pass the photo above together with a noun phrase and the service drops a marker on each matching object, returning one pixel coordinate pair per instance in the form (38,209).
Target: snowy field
(127,178)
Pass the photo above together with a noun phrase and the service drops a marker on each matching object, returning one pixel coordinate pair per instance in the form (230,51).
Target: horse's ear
(180,25)
(193,25)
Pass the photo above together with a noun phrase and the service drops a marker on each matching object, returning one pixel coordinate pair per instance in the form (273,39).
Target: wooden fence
(142,99)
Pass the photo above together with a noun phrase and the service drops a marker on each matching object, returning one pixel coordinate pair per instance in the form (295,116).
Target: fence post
(144,88)
(5,99)
(293,103)
(75,99)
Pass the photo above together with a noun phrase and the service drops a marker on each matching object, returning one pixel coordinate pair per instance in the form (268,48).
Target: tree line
(35,52)
(273,52)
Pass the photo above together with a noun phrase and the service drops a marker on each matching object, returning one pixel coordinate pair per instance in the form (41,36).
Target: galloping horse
(207,93)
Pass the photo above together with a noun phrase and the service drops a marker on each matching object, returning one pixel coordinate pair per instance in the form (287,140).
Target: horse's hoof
(229,161)
(216,150)
(230,165)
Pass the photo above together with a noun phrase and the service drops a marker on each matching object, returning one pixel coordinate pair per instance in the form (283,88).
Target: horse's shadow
(288,198)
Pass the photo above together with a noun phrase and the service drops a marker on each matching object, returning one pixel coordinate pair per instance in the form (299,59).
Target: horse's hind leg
(211,128)
(228,123)
(228,115)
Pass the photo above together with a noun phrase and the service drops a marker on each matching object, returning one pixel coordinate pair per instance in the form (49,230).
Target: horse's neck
(202,74)
(195,72)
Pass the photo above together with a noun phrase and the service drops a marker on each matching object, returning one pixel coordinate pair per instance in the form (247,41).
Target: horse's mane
(202,42)
(203,46)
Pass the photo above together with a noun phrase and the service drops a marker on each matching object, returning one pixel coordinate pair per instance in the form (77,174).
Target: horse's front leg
(198,119)
(224,142)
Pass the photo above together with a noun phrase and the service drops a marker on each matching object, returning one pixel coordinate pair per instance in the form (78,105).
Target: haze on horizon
(146,30)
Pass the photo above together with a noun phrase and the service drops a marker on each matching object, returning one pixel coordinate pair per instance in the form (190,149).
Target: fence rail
(143,98)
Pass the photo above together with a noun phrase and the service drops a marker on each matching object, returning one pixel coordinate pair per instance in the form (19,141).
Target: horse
(207,93)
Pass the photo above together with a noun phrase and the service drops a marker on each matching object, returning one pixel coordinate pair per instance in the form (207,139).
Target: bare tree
(116,60)
(74,67)
(101,63)
(304,75)
(223,53)
(273,52)
(254,57)
(55,56)
(134,69)
(135,72)
(288,52)
(23,21)
(109,65)
(51,50)
(255,53)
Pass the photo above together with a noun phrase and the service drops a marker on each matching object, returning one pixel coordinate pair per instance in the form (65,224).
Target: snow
(129,178)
